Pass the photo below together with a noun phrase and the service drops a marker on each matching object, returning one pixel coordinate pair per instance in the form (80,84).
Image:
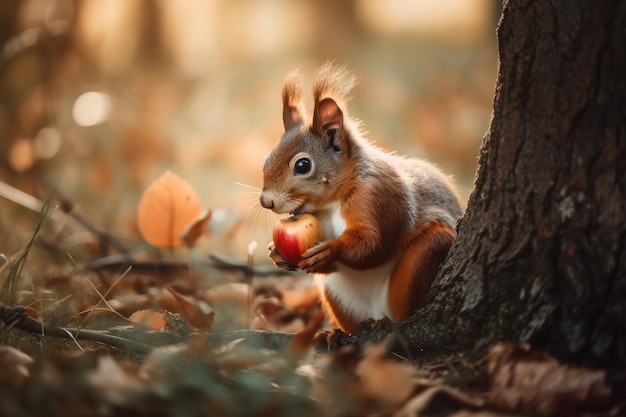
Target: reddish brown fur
(373,225)
(393,208)
(411,277)
(418,266)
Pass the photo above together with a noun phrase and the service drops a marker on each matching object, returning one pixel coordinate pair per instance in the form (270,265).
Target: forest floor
(123,328)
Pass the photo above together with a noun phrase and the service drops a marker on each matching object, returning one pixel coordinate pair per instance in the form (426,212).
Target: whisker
(257,222)
(247,186)
(255,219)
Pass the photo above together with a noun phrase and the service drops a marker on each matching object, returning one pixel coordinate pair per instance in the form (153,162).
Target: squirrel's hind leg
(417,267)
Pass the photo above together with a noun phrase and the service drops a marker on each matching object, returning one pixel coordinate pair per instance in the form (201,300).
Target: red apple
(295,234)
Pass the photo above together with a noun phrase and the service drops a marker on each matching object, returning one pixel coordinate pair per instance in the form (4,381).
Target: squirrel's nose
(266,202)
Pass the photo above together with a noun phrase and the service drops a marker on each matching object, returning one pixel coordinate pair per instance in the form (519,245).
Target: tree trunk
(541,251)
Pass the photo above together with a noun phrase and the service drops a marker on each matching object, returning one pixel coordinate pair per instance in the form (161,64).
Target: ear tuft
(333,81)
(293,114)
(330,95)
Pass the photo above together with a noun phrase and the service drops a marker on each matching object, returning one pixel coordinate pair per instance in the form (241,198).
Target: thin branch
(117,262)
(16,317)
(135,339)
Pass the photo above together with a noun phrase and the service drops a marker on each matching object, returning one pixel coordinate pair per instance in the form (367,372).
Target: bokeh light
(91,108)
(48,142)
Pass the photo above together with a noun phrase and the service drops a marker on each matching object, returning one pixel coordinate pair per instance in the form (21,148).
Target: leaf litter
(66,371)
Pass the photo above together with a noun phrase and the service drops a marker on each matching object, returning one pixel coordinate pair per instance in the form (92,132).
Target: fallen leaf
(150,318)
(13,365)
(274,315)
(334,383)
(197,312)
(269,307)
(155,366)
(166,208)
(192,232)
(112,383)
(32,313)
(390,382)
(439,397)
(233,292)
(529,381)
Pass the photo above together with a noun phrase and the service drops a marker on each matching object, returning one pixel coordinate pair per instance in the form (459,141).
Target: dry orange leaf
(529,381)
(192,232)
(14,366)
(390,382)
(149,318)
(31,312)
(167,206)
(232,292)
(197,312)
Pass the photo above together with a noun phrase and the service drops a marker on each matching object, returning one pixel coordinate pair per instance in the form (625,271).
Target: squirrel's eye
(302,166)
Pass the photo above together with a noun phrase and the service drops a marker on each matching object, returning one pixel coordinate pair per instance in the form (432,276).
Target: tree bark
(541,250)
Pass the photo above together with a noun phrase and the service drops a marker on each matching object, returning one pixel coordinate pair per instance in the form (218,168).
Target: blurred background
(99,97)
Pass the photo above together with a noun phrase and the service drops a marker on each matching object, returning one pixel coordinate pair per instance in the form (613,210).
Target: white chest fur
(362,294)
(332,221)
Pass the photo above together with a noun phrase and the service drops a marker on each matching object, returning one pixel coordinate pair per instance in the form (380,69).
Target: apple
(295,234)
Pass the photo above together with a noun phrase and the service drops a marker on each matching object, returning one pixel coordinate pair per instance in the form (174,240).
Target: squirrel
(388,221)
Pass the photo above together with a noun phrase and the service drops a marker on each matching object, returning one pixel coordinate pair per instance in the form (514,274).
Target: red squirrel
(388,220)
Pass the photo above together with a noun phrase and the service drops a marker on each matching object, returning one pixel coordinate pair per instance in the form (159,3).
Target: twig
(59,217)
(16,317)
(105,238)
(25,200)
(135,339)
(117,262)
(248,279)
(221,262)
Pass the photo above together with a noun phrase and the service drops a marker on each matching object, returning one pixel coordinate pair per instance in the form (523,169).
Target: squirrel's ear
(328,119)
(292,116)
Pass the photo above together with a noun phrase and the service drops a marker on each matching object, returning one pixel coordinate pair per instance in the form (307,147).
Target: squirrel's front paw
(319,258)
(278,259)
